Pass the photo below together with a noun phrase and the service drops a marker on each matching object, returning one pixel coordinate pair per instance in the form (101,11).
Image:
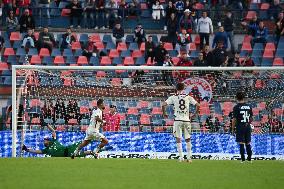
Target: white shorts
(93,135)
(182,127)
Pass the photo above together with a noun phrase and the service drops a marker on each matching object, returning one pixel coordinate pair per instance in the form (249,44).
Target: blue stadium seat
(107,38)
(45,81)
(110,45)
(7,73)
(60,121)
(267,62)
(84,38)
(174,53)
(7,80)
(70,60)
(94,61)
(85,122)
(32,51)
(129,38)
(243,53)
(20,52)
(258,46)
(56,81)
(281,44)
(117,61)
(156,104)
(121,104)
(279,53)
(155,39)
(49,121)
(47,60)
(132,117)
(12,59)
(132,103)
(126,53)
(55,52)
(193,54)
(67,52)
(17,44)
(7,44)
(140,61)
(78,52)
(145,111)
(256,53)
(22,59)
(133,46)
(121,109)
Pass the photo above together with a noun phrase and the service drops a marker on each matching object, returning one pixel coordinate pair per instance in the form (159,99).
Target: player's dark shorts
(243,133)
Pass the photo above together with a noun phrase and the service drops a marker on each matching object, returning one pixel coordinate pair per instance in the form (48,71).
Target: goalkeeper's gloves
(24,148)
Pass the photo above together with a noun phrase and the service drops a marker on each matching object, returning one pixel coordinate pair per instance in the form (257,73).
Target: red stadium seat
(199,6)
(9,52)
(35,103)
(65,12)
(134,129)
(142,47)
(268,53)
(145,119)
(275,76)
(143,104)
(278,111)
(36,34)
(192,47)
(35,60)
(101,74)
(84,110)
(250,15)
(15,36)
(197,40)
(278,62)
(175,60)
(246,47)
(255,111)
(116,82)
(270,46)
(168,46)
(59,60)
(157,110)
(262,105)
(100,45)
(68,82)
(84,127)
(137,54)
(105,61)
(72,121)
(143,6)
(121,46)
(76,45)
(264,6)
(96,38)
(113,53)
(169,122)
(60,128)
(35,121)
(82,60)
(258,84)
(93,103)
(128,61)
(158,129)
(132,111)
(44,52)
(4,66)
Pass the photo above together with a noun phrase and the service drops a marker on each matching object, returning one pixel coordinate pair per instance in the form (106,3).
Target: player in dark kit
(242,117)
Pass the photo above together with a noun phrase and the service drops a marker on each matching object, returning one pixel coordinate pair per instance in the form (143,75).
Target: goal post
(214,86)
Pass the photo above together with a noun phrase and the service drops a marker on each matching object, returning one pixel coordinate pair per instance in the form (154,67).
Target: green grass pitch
(61,173)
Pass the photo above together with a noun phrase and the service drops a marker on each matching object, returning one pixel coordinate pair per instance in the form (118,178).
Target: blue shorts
(243,134)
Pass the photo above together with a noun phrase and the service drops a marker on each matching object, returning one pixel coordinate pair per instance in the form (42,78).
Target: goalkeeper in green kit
(53,148)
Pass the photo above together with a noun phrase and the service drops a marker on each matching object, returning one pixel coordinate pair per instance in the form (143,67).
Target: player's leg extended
(79,147)
(178,134)
(248,146)
(104,142)
(187,132)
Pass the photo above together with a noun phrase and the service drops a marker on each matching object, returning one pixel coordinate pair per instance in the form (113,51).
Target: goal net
(65,96)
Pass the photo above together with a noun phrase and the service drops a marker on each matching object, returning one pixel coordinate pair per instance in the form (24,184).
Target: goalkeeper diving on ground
(54,148)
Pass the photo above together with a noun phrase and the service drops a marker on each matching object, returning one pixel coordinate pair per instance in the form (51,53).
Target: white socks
(179,148)
(188,149)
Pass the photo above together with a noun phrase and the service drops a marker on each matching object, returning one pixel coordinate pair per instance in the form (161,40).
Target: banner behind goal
(65,96)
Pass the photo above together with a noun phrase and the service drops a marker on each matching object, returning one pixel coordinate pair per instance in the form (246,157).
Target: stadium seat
(129,38)
(267,62)
(84,110)
(35,103)
(84,38)
(101,74)
(32,51)
(258,84)
(197,40)
(68,82)
(257,53)
(105,61)
(143,104)
(35,59)
(21,52)
(250,15)
(121,46)
(134,129)
(128,61)
(140,61)
(76,45)
(110,45)
(246,47)
(125,53)
(192,47)
(116,82)
(78,52)
(59,60)
(199,6)
(15,36)
(132,111)
(168,46)
(67,52)
(35,121)
(82,60)
(3,66)
(94,61)
(72,122)
(142,47)
(65,12)
(55,52)
(270,46)
(96,38)
(107,38)
(137,54)
(268,53)
(117,61)
(70,60)
(113,53)
(264,6)
(253,6)
(44,52)
(247,39)
(133,46)
(12,60)
(157,110)
(145,119)
(278,62)
(17,44)
(258,46)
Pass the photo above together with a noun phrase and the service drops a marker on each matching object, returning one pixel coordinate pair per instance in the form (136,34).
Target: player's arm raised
(52,131)
(164,108)
(24,148)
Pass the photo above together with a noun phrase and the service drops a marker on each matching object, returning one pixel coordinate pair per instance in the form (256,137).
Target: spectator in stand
(279,26)
(229,29)
(158,11)
(150,49)
(261,34)
(112,120)
(183,41)
(247,61)
(48,110)
(186,22)
(150,3)
(169,10)
(7,6)
(139,34)
(200,62)
(118,34)
(59,110)
(274,10)
(166,74)
(219,56)
(26,21)
(88,12)
(89,49)
(252,26)
(46,40)
(204,28)
(44,7)
(67,39)
(134,9)
(123,9)
(72,111)
(207,55)
(21,5)
(234,61)
(2,41)
(76,12)
(172,27)
(11,22)
(111,12)
(29,40)
(160,54)
(100,14)
(220,36)
(184,62)
(179,4)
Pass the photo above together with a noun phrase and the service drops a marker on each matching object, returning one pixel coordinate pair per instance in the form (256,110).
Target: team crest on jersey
(198,87)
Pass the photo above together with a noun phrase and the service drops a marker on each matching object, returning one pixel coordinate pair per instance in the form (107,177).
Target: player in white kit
(181,102)
(93,131)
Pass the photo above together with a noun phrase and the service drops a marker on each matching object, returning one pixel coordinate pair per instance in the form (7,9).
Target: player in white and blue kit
(181,102)
(93,131)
